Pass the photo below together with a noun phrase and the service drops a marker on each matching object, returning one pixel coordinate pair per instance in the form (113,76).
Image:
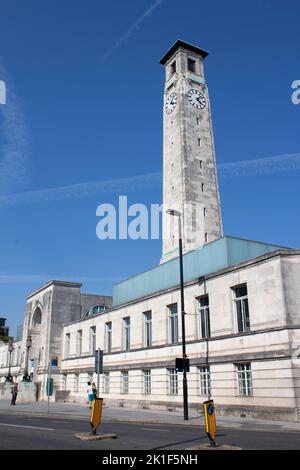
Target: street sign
(99,361)
(210,420)
(96,414)
(182,364)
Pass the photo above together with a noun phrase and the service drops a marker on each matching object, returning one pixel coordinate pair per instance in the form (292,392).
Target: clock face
(196,99)
(171,103)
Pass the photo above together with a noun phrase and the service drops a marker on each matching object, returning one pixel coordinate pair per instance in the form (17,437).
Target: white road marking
(27,427)
(152,429)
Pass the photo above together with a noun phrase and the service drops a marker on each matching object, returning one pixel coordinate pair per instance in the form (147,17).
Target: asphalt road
(29,432)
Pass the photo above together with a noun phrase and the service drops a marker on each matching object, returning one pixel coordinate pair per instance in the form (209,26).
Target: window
(206,238)
(173,382)
(76,383)
(242,308)
(67,345)
(202,187)
(191,65)
(173,68)
(204,380)
(199,142)
(125,382)
(244,375)
(98,309)
(126,333)
(92,340)
(147,382)
(204,212)
(148,329)
(108,336)
(197,120)
(106,383)
(173,323)
(200,164)
(79,343)
(204,319)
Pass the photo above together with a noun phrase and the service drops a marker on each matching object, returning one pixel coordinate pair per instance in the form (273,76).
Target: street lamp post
(10,350)
(26,376)
(175,213)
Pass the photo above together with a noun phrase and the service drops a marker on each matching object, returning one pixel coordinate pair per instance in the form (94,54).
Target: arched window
(95,309)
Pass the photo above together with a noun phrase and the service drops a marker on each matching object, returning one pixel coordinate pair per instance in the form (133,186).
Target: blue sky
(84,104)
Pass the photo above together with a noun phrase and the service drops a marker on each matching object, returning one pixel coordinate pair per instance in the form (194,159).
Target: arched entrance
(35,354)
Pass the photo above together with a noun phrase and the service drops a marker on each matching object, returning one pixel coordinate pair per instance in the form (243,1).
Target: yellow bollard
(96,414)
(210,421)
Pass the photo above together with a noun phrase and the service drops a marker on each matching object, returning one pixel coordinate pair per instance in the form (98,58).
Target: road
(29,432)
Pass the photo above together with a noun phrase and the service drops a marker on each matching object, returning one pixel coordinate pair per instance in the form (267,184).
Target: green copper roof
(213,257)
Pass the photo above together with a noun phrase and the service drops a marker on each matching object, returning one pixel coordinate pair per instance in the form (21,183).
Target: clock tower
(190,183)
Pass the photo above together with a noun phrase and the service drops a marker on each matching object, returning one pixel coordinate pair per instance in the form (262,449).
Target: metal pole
(9,365)
(185,386)
(49,382)
(98,373)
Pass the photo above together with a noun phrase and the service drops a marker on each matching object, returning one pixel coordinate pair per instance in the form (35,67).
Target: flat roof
(179,43)
(212,257)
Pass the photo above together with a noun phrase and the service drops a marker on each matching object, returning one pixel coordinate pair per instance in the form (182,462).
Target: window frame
(147,329)
(173,382)
(106,382)
(242,312)
(244,379)
(126,334)
(79,343)
(204,380)
(93,330)
(108,337)
(147,385)
(125,382)
(203,318)
(173,327)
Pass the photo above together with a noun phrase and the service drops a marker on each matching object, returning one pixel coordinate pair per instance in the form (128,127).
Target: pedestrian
(94,390)
(14,394)
(90,394)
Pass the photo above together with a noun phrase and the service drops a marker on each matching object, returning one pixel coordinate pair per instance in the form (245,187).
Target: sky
(83,124)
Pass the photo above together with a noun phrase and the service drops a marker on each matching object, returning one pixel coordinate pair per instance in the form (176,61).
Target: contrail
(82,190)
(14,155)
(260,166)
(134,27)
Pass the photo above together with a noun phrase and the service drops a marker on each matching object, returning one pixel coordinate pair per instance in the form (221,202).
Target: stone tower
(189,167)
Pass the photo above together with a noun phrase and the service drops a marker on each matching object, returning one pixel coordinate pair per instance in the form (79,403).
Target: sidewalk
(129,415)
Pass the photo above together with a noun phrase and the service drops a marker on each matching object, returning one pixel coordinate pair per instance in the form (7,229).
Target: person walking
(14,394)
(90,394)
(94,390)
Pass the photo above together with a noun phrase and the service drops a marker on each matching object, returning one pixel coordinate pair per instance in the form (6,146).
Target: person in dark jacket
(14,394)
